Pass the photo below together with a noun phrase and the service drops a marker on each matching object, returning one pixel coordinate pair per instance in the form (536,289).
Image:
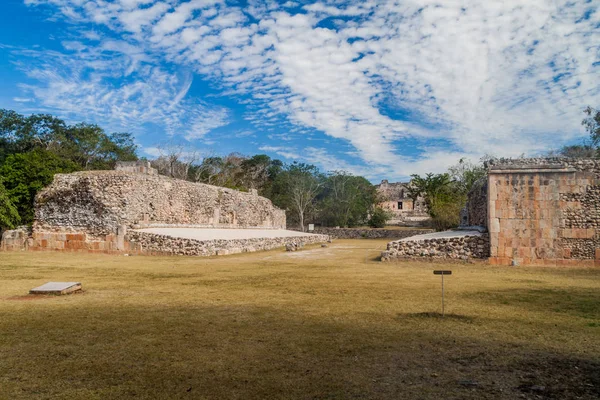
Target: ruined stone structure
(538,211)
(544,211)
(405,211)
(99,202)
(102,211)
(142,167)
(470,245)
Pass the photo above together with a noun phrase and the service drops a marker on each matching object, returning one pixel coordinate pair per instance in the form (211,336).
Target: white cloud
(502,76)
(118,87)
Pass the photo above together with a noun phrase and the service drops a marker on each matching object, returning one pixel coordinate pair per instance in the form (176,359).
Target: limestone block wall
(99,202)
(455,248)
(544,211)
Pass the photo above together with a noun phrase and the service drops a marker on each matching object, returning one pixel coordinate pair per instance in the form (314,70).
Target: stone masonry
(474,246)
(99,202)
(98,211)
(544,211)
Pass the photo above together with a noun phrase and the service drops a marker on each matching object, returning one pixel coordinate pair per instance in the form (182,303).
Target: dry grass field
(321,323)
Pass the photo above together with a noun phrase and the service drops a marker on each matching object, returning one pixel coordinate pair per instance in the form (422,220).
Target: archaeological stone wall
(99,202)
(150,243)
(454,248)
(544,211)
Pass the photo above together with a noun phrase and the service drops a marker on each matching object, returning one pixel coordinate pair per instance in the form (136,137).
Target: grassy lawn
(322,323)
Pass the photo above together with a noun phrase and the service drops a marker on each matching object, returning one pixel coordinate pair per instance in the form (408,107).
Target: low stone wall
(16,239)
(357,233)
(458,248)
(151,243)
(143,243)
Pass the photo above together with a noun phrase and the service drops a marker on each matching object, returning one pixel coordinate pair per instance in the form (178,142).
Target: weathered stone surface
(544,211)
(396,200)
(462,247)
(476,208)
(98,202)
(57,288)
(150,243)
(16,239)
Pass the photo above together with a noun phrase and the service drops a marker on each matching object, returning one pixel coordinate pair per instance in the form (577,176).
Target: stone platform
(209,242)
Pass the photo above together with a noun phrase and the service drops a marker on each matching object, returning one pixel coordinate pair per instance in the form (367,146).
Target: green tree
(24,174)
(347,200)
(443,196)
(9,216)
(296,189)
(592,124)
(465,174)
(87,145)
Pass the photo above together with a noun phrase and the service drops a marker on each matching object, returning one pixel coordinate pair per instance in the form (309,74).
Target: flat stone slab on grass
(441,235)
(57,288)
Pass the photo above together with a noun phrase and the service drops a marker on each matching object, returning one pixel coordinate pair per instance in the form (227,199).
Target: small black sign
(442,272)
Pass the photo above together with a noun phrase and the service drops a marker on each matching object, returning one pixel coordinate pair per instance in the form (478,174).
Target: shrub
(379,217)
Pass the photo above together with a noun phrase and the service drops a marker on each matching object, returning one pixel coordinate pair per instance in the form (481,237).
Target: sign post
(442,273)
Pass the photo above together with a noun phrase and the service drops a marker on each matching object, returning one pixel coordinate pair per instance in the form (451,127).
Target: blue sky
(382,88)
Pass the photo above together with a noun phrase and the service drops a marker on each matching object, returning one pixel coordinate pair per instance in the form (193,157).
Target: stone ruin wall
(151,243)
(100,202)
(457,248)
(544,211)
(96,211)
(412,213)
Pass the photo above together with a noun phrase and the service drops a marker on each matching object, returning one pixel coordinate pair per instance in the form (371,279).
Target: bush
(379,217)
(446,215)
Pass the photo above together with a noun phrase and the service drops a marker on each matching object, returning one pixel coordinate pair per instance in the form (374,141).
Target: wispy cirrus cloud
(502,76)
(118,86)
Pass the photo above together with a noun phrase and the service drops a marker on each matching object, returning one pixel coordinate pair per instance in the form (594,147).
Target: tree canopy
(34,148)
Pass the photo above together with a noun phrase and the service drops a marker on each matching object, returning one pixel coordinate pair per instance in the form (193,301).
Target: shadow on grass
(234,351)
(583,303)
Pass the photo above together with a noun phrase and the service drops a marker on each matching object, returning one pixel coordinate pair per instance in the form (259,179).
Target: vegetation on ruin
(379,217)
(320,323)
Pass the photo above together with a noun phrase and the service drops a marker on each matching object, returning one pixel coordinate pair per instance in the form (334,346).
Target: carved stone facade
(395,199)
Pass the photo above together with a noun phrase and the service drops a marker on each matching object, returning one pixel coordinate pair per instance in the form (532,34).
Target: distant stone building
(395,199)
